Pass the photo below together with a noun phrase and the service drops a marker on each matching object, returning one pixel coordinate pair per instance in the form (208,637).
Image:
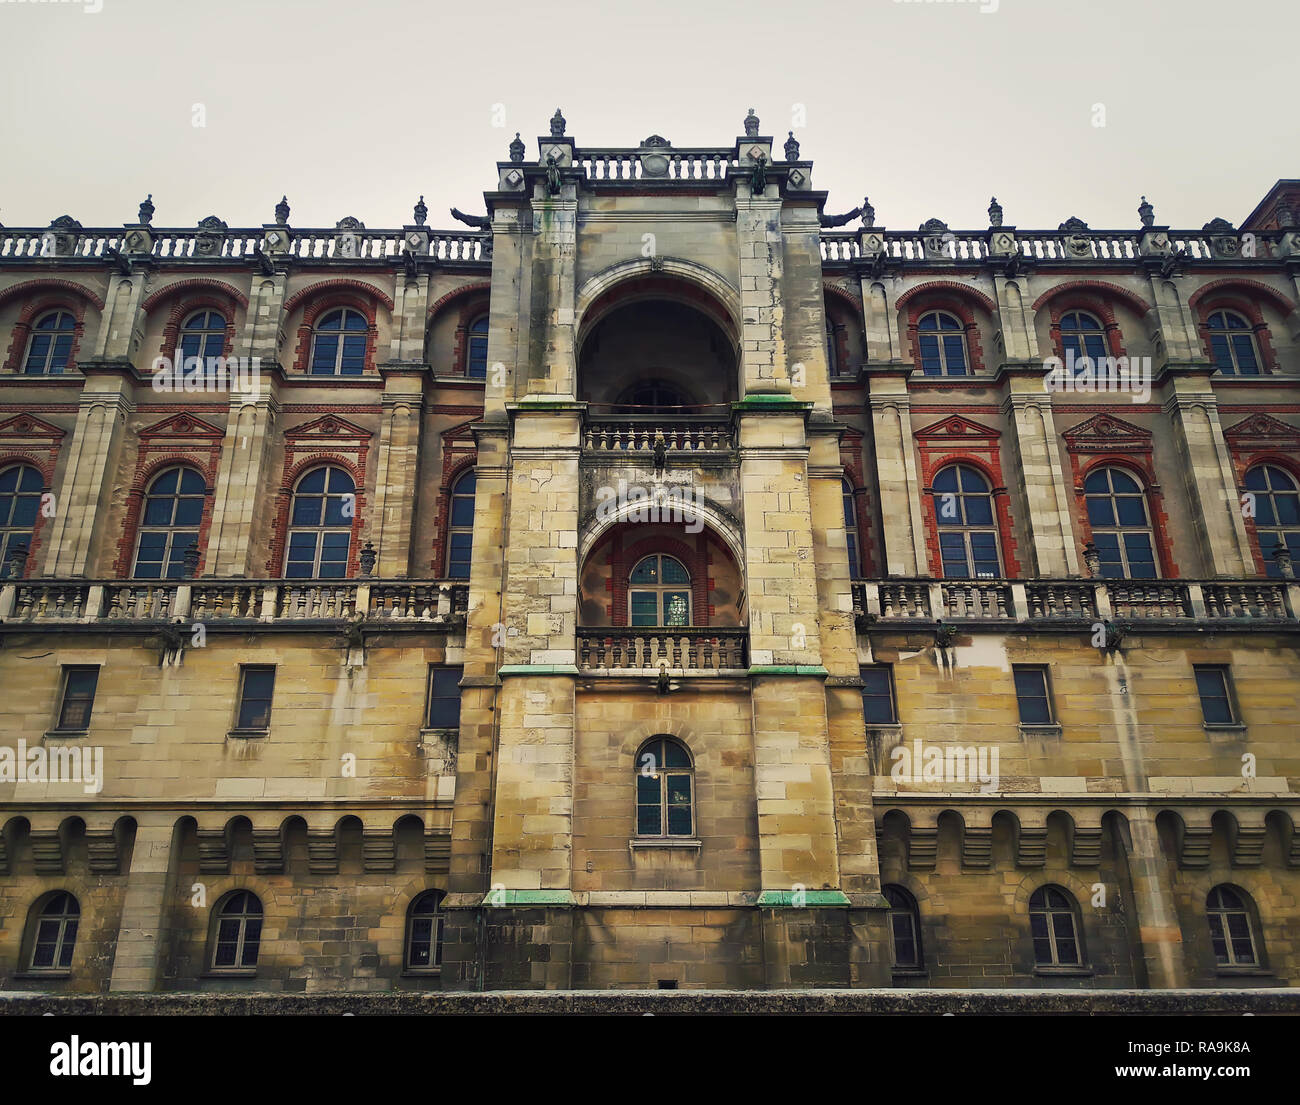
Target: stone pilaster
(241,489)
(551,356)
(399,458)
(1156,917)
(762,265)
(150,890)
(121,328)
(1016,333)
(897,481)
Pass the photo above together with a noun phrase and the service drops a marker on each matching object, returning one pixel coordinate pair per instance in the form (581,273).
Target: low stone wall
(641,1002)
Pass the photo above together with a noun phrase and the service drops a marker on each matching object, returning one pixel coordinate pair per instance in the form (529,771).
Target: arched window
(55,933)
(1054,927)
(943,344)
(50,346)
(650,396)
(202,335)
(169,524)
(851,530)
(320,525)
(1232,344)
(20,500)
(963,511)
(424,932)
(832,350)
(460,527)
(476,358)
(238,931)
(1231,930)
(339,343)
(1121,528)
(659,592)
(904,927)
(1083,335)
(1277,513)
(665,789)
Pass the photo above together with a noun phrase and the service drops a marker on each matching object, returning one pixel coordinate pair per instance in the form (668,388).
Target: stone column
(897,480)
(121,327)
(398,467)
(241,491)
(150,891)
(77,536)
(1156,917)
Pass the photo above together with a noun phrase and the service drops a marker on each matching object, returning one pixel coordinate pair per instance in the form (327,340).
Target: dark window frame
(1043,671)
(244,917)
(69,701)
(243,703)
(902,906)
(1051,910)
(891,695)
(64,944)
(1228,697)
(662,773)
(415,914)
(454,672)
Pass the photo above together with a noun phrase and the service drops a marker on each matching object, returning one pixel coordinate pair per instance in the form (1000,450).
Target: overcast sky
(928,108)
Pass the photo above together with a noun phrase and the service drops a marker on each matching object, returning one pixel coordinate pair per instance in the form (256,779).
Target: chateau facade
(658,582)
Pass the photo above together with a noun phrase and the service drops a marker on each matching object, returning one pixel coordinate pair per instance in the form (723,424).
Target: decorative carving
(282,211)
(214,851)
(516,148)
(558,122)
(146,210)
(1219,226)
(104,857)
(1146,213)
(751,124)
(839,220)
(268,851)
(922,847)
(421,211)
(478,222)
(552,176)
(322,851)
(212,233)
(995,212)
(655,140)
(47,851)
(758,183)
(348,222)
(1031,846)
(1085,846)
(378,851)
(868,213)
(791,148)
(1072,225)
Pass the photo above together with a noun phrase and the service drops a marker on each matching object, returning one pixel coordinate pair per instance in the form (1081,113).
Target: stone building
(660,582)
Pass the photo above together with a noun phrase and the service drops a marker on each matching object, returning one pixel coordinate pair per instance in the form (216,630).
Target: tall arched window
(659,592)
(1121,526)
(320,525)
(1232,344)
(424,932)
(665,789)
(202,335)
(1053,924)
(1083,335)
(55,933)
(904,927)
(832,351)
(1277,513)
(1231,930)
(20,500)
(943,344)
(339,343)
(851,530)
(238,931)
(460,527)
(476,356)
(50,346)
(963,511)
(169,523)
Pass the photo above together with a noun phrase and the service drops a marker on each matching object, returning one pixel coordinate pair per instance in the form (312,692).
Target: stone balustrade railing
(677,649)
(39,602)
(1230,603)
(641,434)
(680,164)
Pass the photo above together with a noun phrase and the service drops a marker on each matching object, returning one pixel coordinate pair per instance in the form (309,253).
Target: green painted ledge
(790,669)
(808,899)
(495,899)
(772,401)
(538,669)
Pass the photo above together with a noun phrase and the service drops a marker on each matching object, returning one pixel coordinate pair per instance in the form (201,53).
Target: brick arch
(482,286)
(284,499)
(185,306)
(195,285)
(833,294)
(1141,466)
(1289,464)
(322,287)
(33,309)
(180,456)
(695,561)
(1095,305)
(455,465)
(991,469)
(1254,289)
(955,299)
(50,285)
(45,466)
(946,290)
(337,294)
(1236,296)
(1095,288)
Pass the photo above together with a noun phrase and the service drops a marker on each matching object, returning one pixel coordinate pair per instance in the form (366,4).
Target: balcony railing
(72,602)
(640,435)
(706,649)
(1230,603)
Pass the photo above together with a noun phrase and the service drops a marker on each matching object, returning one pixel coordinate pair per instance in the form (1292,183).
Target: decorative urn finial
(421,212)
(282,211)
(791,148)
(557,124)
(995,212)
(191,560)
(1092,559)
(751,124)
(1146,213)
(1282,558)
(17,560)
(516,149)
(146,210)
(868,213)
(368,557)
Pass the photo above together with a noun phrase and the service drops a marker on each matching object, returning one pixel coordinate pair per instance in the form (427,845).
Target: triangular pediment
(329,426)
(183,425)
(1261,429)
(1107,431)
(958,427)
(461,432)
(28,426)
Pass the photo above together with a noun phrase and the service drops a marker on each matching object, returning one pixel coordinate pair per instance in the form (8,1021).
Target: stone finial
(146,210)
(17,560)
(421,212)
(868,213)
(191,560)
(516,149)
(1146,213)
(1092,559)
(995,212)
(282,211)
(751,124)
(558,122)
(791,148)
(1282,558)
(368,557)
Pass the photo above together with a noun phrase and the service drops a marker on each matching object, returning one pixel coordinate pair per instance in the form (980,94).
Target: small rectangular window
(444,697)
(878,704)
(78,697)
(1214,685)
(256,687)
(1034,695)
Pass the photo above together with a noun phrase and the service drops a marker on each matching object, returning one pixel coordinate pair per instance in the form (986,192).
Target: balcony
(635,437)
(695,650)
(238,602)
(1157,603)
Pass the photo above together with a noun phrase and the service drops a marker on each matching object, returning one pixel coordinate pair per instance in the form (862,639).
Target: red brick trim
(958,441)
(1256,288)
(49,285)
(328,287)
(1245,306)
(691,559)
(471,309)
(1093,305)
(482,286)
(459,455)
(31,314)
(195,286)
(182,309)
(1262,439)
(836,302)
(1093,289)
(43,460)
(851,457)
(944,291)
(328,301)
(942,299)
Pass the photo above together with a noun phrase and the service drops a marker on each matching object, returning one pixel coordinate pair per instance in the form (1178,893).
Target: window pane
(644,608)
(979,510)
(679,821)
(677,608)
(648,820)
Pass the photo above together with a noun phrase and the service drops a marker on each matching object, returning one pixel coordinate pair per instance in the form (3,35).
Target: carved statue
(552,176)
(478,222)
(758,185)
(558,122)
(839,220)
